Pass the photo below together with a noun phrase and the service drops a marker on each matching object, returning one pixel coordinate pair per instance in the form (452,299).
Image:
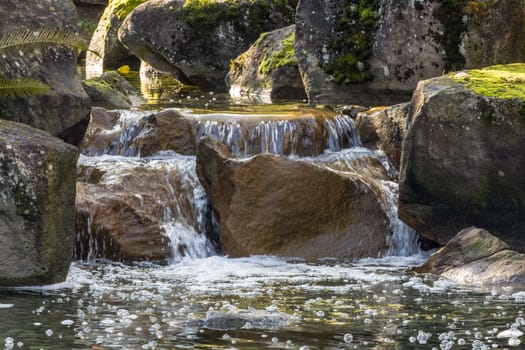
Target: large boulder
(464,155)
(274,205)
(476,256)
(196,40)
(268,71)
(384,129)
(375,52)
(37,187)
(134,210)
(105,50)
(63,111)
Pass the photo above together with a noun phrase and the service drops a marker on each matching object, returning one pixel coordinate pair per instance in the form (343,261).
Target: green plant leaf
(53,36)
(10,88)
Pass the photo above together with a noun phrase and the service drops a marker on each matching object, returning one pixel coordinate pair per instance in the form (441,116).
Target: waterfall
(243,134)
(163,193)
(185,218)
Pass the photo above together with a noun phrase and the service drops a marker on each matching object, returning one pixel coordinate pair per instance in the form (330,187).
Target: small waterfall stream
(330,140)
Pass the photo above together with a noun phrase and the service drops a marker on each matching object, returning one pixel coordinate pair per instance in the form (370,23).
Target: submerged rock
(37,196)
(64,110)
(476,256)
(268,71)
(134,210)
(195,40)
(273,205)
(463,157)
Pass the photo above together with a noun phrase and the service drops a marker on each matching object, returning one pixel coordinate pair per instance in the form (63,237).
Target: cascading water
(246,135)
(403,240)
(174,201)
(243,134)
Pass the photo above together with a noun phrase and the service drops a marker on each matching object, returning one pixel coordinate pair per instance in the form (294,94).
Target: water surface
(257,303)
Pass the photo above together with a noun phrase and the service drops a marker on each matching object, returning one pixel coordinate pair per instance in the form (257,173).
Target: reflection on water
(260,302)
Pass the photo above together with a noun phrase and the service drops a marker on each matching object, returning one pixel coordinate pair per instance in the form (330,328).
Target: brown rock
(273,205)
(131,210)
(384,129)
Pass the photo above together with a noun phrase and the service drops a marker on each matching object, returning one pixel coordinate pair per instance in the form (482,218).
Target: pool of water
(257,303)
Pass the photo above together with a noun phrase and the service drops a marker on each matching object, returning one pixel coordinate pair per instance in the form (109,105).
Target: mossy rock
(111,90)
(463,158)
(196,39)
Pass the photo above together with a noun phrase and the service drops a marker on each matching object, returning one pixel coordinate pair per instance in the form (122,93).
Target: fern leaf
(24,87)
(53,36)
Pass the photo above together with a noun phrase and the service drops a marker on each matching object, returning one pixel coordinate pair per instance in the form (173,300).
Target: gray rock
(268,71)
(194,41)
(476,256)
(376,53)
(64,110)
(37,199)
(463,163)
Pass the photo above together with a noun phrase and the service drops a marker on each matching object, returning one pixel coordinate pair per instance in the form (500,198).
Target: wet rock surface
(63,110)
(384,129)
(37,196)
(136,210)
(476,256)
(463,163)
(195,41)
(273,205)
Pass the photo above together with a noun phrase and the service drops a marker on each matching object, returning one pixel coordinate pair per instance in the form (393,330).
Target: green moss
(351,47)
(122,8)
(281,58)
(501,81)
(250,16)
(86,27)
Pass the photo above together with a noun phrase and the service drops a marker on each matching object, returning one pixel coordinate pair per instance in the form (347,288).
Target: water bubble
(514,342)
(461,341)
(225,336)
(347,338)
(49,332)
(67,322)
(319,313)
(275,340)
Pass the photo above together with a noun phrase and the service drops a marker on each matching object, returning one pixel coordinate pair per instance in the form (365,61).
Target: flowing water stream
(201,300)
